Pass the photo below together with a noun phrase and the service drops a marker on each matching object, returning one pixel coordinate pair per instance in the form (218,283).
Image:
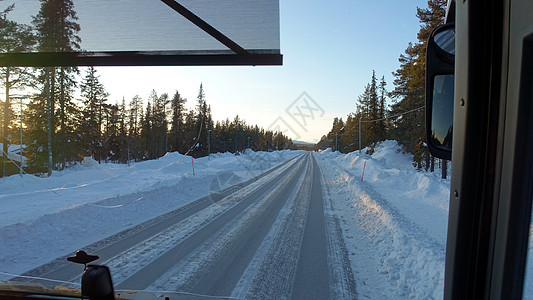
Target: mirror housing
(96,283)
(440,65)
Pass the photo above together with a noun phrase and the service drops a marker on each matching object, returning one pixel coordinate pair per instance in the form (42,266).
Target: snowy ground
(44,218)
(394,221)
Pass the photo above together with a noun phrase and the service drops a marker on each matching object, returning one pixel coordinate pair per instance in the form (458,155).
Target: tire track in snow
(271,273)
(215,266)
(160,265)
(343,280)
(144,253)
(275,277)
(116,244)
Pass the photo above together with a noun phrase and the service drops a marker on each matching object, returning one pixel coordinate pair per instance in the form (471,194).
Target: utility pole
(21,136)
(6,123)
(336,142)
(49,121)
(360,121)
(21,150)
(166,126)
(209,143)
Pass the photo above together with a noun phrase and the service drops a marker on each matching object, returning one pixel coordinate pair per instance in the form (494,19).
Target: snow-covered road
(267,237)
(256,225)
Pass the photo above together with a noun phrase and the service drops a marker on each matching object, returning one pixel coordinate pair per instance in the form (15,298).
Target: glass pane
(442,111)
(527,85)
(139,25)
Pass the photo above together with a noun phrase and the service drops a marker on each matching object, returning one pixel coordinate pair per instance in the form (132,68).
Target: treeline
(404,120)
(60,128)
(369,119)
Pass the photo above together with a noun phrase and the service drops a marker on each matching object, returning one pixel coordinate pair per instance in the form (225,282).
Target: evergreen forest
(404,119)
(69,115)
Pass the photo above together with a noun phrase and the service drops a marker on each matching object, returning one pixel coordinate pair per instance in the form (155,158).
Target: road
(274,236)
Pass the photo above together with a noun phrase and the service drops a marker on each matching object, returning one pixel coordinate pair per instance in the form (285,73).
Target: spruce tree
(146,133)
(381,126)
(159,123)
(36,120)
(370,109)
(112,134)
(94,98)
(176,128)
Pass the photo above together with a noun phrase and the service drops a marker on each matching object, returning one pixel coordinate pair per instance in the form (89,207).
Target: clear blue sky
(330,49)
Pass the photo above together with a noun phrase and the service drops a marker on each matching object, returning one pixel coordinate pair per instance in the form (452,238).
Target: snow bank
(44,218)
(394,221)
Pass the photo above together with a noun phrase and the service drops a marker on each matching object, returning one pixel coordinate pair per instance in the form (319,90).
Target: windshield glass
(306,180)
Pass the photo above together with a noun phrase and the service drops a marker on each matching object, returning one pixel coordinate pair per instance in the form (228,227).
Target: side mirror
(440,62)
(96,283)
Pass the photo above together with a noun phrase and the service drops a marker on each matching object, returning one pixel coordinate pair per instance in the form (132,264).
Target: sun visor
(159,32)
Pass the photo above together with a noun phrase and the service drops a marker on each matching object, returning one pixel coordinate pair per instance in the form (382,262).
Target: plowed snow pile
(394,221)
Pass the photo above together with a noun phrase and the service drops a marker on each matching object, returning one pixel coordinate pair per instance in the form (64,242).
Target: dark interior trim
(136,58)
(517,229)
(469,253)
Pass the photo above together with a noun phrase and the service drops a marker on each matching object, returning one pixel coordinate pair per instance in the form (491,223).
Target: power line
(389,117)
(369,121)
(398,115)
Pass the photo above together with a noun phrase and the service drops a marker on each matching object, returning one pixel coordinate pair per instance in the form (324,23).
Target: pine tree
(201,124)
(190,131)
(156,119)
(363,113)
(14,38)
(410,85)
(123,155)
(57,31)
(369,119)
(350,135)
(134,115)
(336,134)
(409,90)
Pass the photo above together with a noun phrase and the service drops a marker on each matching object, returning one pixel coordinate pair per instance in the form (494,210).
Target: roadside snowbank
(394,221)
(44,218)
